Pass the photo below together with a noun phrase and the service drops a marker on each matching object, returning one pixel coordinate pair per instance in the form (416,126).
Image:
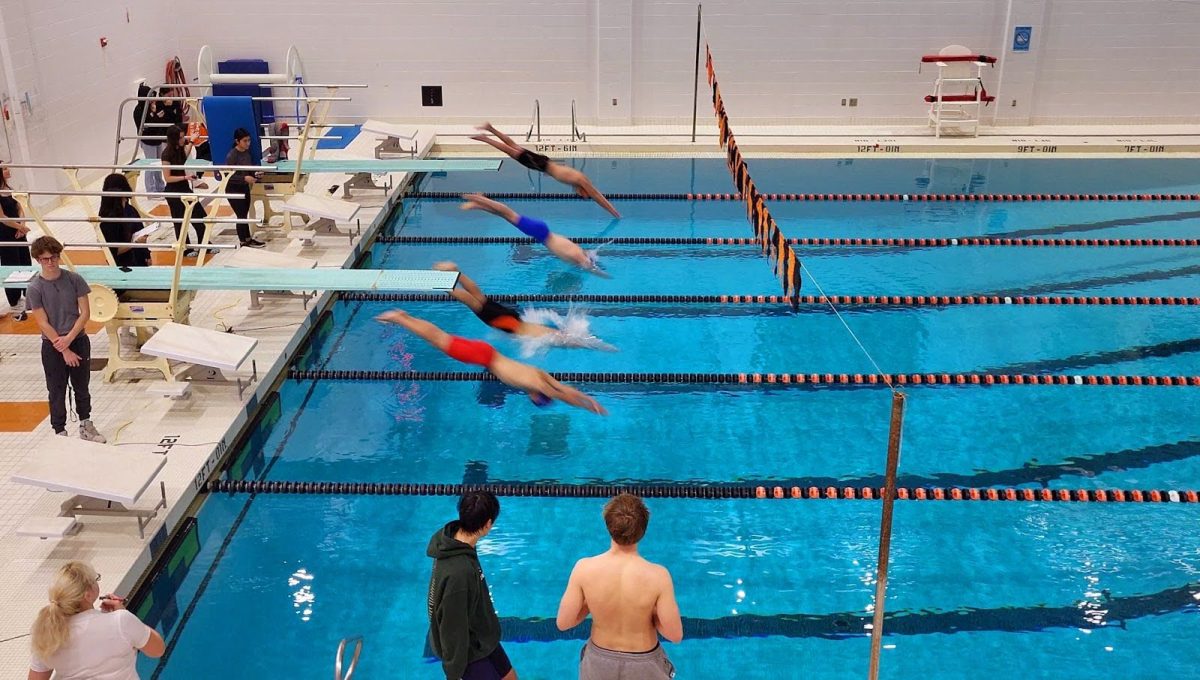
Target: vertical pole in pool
(696,76)
(885,529)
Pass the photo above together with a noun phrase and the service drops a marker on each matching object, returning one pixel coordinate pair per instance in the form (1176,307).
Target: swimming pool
(269,583)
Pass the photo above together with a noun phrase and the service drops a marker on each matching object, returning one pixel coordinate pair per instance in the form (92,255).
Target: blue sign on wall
(1021,37)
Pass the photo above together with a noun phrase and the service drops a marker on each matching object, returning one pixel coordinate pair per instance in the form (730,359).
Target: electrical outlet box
(854,101)
(843,101)
(614,101)
(431,95)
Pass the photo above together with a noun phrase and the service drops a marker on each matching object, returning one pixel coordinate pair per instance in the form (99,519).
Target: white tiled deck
(195,432)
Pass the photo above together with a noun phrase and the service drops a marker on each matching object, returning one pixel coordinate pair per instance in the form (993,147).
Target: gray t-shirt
(60,298)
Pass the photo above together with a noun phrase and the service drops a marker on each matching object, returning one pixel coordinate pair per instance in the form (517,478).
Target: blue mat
(223,115)
(338,137)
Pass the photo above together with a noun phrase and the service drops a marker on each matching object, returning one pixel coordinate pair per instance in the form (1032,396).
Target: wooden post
(885,530)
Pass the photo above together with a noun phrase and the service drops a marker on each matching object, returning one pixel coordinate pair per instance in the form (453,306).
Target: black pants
(241,208)
(177,209)
(58,373)
(14,257)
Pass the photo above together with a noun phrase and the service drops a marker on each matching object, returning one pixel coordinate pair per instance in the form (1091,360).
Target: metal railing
(536,123)
(576,135)
(341,653)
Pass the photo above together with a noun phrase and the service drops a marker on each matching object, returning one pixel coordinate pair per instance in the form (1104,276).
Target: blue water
(1044,590)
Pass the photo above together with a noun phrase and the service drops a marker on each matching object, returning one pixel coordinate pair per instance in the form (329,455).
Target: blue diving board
(229,278)
(372,166)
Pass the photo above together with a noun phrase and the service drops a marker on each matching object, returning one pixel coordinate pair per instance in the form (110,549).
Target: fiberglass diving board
(225,278)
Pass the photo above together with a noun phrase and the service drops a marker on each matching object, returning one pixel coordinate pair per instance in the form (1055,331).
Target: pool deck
(195,432)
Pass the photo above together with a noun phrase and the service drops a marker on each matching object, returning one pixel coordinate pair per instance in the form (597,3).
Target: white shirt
(101,646)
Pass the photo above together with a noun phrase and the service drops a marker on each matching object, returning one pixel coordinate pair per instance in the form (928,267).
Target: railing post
(696,76)
(885,530)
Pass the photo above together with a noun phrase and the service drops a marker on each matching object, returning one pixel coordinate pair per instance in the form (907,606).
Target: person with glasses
(12,232)
(72,639)
(58,300)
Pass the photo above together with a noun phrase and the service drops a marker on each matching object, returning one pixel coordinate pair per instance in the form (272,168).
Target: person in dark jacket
(464,631)
(119,207)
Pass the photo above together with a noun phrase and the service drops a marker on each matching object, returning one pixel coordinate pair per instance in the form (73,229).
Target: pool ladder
(341,653)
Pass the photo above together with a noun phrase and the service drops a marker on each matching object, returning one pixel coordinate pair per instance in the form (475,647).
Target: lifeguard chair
(958,93)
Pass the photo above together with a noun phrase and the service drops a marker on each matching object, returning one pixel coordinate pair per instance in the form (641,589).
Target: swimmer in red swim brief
(540,386)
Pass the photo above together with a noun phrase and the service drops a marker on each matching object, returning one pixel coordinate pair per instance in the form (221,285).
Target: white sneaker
(61,433)
(88,432)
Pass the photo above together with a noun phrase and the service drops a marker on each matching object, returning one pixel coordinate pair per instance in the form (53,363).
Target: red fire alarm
(104,42)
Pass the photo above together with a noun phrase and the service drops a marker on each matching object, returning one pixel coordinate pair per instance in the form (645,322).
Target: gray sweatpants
(598,663)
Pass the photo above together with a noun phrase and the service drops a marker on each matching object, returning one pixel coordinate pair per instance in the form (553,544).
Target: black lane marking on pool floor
(1096,226)
(1032,472)
(1110,611)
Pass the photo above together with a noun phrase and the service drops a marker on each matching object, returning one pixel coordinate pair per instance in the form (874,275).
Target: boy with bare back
(631,602)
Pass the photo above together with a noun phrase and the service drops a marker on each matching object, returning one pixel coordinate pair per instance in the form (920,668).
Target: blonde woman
(75,640)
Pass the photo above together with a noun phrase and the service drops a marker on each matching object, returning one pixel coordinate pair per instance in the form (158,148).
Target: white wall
(778,60)
(1132,60)
(492,57)
(74,85)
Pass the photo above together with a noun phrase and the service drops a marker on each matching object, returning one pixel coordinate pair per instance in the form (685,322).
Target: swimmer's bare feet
(393,316)
(480,138)
(445,266)
(486,127)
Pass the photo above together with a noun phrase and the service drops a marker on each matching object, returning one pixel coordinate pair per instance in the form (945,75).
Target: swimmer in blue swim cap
(560,246)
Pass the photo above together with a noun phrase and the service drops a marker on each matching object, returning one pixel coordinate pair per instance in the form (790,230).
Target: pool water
(767,588)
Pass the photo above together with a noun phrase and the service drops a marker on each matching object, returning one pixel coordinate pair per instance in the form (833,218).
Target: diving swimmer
(560,246)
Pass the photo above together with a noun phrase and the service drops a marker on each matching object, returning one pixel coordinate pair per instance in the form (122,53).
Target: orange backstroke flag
(785,264)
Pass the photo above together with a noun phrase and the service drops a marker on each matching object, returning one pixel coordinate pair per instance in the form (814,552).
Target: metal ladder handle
(537,121)
(341,651)
(575,133)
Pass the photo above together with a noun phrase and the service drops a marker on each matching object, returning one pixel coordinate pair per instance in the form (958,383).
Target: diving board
(200,346)
(254,258)
(221,278)
(390,147)
(104,479)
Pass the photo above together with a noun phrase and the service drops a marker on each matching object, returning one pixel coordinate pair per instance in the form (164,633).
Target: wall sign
(1021,38)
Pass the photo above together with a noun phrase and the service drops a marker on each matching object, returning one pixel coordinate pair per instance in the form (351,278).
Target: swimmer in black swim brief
(506,319)
(535,161)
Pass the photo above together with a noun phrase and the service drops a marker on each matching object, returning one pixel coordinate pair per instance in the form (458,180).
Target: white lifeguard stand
(958,93)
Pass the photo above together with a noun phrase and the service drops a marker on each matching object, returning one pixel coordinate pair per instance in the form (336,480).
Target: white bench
(105,480)
(210,351)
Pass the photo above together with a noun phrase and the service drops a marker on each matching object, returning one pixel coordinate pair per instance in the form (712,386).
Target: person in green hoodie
(463,628)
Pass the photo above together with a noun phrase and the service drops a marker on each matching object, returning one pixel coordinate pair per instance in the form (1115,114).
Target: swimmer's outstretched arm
(418,327)
(599,198)
(481,202)
(567,394)
(469,294)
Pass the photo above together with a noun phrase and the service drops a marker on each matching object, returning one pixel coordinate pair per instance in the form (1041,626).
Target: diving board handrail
(122,244)
(117,166)
(122,194)
(151,218)
(537,121)
(357,640)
